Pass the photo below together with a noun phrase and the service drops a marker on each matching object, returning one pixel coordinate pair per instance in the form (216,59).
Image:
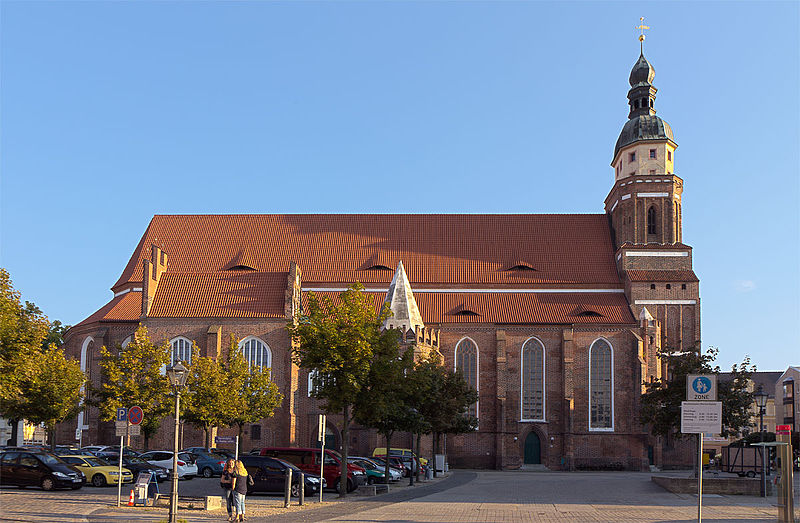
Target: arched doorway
(533,449)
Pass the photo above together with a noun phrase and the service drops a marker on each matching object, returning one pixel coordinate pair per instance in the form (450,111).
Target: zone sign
(701,387)
(135,415)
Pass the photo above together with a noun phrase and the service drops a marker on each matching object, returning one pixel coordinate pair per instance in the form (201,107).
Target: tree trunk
(387,476)
(345,437)
(419,453)
(207,432)
(435,443)
(52,433)
(14,429)
(239,441)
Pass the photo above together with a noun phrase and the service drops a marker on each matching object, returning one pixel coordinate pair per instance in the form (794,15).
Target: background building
(787,402)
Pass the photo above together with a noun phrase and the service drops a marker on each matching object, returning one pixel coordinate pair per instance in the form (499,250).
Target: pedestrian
(241,480)
(226,482)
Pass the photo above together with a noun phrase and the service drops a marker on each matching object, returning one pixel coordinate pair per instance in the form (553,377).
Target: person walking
(241,480)
(226,482)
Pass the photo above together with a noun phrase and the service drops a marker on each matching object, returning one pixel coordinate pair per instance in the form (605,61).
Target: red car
(308,460)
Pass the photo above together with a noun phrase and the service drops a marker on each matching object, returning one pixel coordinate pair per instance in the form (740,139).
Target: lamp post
(177,378)
(760,398)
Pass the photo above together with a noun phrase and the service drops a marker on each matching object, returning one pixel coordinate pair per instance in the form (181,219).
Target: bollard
(302,489)
(287,489)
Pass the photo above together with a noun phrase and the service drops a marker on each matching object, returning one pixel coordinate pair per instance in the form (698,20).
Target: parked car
(395,463)
(208,463)
(65,450)
(98,471)
(269,475)
(163,458)
(394,474)
(113,450)
(136,465)
(229,454)
(309,461)
(374,473)
(30,469)
(410,460)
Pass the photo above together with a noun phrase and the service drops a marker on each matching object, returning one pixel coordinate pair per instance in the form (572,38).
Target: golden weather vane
(641,27)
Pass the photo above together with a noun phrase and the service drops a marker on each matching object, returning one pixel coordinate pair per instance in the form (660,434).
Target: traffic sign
(122,428)
(122,414)
(225,439)
(701,387)
(135,415)
(135,430)
(698,417)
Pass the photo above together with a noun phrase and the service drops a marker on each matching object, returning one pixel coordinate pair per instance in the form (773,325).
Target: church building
(555,319)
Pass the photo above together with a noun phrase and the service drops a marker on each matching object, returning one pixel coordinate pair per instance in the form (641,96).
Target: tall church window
(651,220)
(181,350)
(601,386)
(256,353)
(532,398)
(467,362)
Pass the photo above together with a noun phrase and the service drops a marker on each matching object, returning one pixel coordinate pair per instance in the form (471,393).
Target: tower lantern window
(652,153)
(632,157)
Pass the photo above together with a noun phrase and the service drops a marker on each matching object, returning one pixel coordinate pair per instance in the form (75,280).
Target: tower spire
(641,27)
(400,298)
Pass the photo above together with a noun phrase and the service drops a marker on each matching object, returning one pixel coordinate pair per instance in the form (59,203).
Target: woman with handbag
(241,480)
(226,482)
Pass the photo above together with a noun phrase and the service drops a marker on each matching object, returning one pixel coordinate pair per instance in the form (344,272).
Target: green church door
(533,450)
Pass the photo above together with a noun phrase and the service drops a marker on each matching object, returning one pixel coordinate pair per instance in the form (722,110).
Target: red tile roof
(229,294)
(126,307)
(564,249)
(660,276)
(528,307)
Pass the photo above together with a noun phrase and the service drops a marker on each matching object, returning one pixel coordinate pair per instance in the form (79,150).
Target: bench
(372,490)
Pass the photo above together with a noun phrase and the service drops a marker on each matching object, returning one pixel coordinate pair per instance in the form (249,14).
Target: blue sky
(115,111)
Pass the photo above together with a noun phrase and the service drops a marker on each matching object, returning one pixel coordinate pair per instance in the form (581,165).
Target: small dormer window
(652,154)
(683,286)
(669,155)
(669,286)
(521,266)
(590,314)
(632,157)
(653,286)
(466,312)
(378,267)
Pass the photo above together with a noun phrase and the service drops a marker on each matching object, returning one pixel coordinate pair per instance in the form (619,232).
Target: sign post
(699,417)
(321,438)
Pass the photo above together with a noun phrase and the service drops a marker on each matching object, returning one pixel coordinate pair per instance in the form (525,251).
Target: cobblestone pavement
(474,496)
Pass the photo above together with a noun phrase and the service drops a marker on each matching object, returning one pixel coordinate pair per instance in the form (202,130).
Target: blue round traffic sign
(135,415)
(701,385)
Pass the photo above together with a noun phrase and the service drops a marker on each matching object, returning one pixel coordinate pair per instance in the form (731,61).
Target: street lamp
(177,378)
(760,398)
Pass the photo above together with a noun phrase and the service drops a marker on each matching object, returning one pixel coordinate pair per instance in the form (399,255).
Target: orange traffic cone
(130,499)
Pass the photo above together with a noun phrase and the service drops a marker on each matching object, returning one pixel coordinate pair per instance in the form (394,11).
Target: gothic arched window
(467,362)
(532,380)
(256,353)
(181,350)
(601,386)
(651,220)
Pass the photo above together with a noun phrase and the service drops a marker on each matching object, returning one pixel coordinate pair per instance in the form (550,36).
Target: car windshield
(217,456)
(367,464)
(49,459)
(289,465)
(135,459)
(96,462)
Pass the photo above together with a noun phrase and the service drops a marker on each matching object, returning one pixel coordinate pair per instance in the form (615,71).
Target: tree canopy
(37,381)
(337,341)
(134,376)
(661,403)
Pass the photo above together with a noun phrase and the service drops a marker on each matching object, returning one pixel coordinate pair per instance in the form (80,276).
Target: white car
(187,469)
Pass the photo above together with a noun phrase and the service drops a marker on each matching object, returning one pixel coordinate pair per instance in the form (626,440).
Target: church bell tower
(644,212)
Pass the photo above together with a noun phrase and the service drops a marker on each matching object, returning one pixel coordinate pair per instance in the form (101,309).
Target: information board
(701,417)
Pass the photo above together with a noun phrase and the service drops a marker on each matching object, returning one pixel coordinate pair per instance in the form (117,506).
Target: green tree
(383,402)
(53,391)
(661,403)
(337,341)
(37,381)
(55,334)
(442,397)
(250,394)
(206,402)
(134,376)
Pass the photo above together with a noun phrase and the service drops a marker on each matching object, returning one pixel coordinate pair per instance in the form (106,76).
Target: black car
(38,469)
(269,475)
(136,465)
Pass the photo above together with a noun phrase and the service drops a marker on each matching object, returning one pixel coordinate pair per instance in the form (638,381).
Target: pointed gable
(400,298)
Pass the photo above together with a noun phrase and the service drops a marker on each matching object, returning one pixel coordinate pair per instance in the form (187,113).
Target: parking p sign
(122,414)
(701,387)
